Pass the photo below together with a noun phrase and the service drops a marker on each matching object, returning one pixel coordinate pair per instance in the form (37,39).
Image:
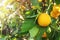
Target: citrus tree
(29,20)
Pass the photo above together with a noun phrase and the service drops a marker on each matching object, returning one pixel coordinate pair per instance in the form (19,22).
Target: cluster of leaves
(13,28)
(31,26)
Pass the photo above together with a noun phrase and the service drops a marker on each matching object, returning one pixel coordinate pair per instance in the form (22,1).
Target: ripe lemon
(44,19)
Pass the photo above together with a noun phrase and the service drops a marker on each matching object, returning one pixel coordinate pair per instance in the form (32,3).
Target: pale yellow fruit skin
(44,19)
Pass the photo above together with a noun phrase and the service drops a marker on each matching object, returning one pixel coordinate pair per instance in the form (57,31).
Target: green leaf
(49,30)
(57,36)
(33,32)
(30,38)
(34,2)
(27,25)
(59,28)
(57,1)
(28,12)
(31,13)
(41,31)
(54,26)
(4,38)
(38,37)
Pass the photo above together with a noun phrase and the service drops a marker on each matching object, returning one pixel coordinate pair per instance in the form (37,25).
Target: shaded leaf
(30,38)
(33,32)
(57,1)
(27,25)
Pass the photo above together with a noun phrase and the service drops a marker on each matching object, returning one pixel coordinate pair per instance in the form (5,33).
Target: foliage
(18,20)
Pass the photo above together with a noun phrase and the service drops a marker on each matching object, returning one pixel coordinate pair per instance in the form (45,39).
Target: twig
(48,7)
(18,13)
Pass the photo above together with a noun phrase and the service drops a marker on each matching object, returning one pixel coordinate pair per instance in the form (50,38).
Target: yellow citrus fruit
(44,19)
(55,12)
(44,35)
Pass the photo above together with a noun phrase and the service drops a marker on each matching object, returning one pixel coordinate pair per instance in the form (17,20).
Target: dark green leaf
(27,25)
(30,13)
(57,1)
(40,33)
(39,36)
